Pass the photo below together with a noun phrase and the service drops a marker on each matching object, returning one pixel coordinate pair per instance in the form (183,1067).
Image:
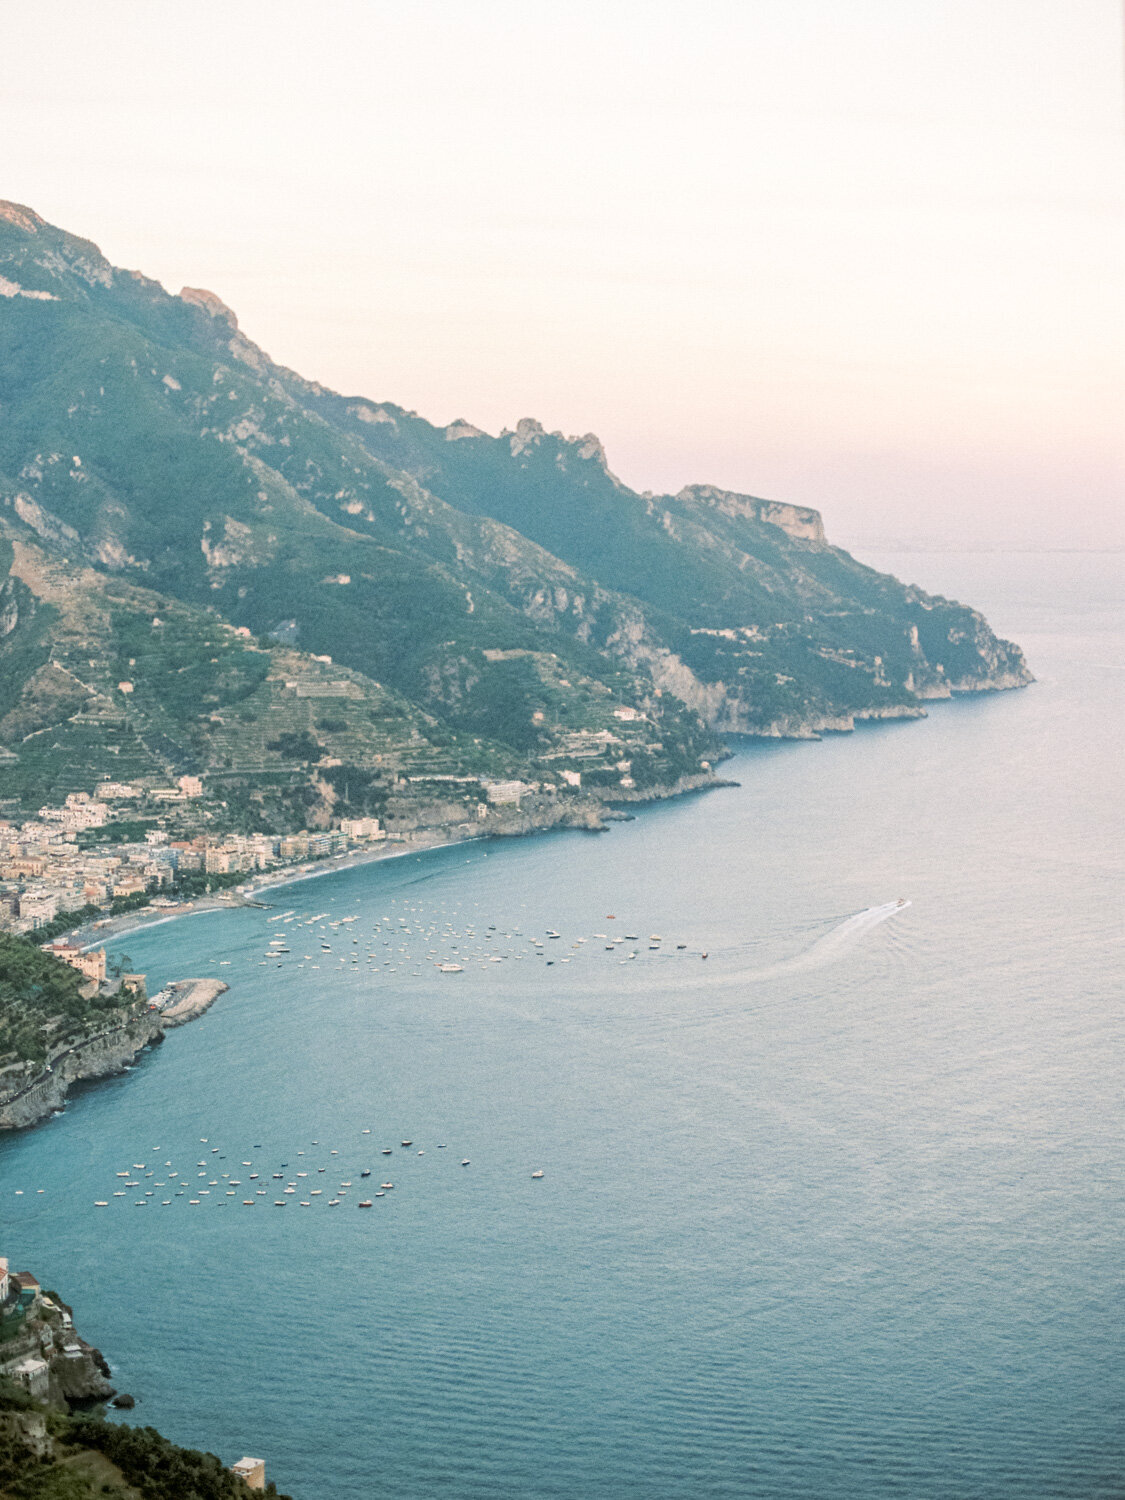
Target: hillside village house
(91,964)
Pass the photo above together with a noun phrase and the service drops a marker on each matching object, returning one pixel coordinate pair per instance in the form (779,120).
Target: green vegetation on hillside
(89,1457)
(41,1003)
(163,481)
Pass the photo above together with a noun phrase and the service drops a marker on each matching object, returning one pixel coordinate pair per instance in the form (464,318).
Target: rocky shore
(190,998)
(99,1056)
(40,1351)
(106,1053)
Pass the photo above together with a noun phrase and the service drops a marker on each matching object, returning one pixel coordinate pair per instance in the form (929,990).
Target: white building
(507,793)
(115,791)
(252,1470)
(361,828)
(34,1375)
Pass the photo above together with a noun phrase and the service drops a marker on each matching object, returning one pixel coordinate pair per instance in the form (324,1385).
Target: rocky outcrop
(68,1373)
(190,998)
(99,1056)
(798,521)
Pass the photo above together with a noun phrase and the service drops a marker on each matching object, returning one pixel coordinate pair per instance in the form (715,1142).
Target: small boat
(386,1186)
(101,1203)
(366,1172)
(248,1203)
(387,1151)
(279,1203)
(408,1143)
(333,1203)
(364,1203)
(465,1163)
(537,1174)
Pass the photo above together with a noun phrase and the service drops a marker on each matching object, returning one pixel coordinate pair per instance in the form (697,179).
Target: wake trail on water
(832,946)
(827,950)
(823,953)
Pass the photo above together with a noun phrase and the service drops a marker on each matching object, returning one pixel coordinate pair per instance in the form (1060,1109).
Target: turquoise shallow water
(836,1211)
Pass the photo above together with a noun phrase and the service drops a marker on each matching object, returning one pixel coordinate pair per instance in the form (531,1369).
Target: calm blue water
(834,1212)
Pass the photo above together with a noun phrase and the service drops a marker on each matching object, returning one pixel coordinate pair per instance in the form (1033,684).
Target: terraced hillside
(491,597)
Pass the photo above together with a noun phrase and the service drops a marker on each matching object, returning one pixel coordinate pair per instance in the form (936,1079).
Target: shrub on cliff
(156,1467)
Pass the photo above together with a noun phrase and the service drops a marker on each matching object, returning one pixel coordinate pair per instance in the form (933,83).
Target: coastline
(103,1055)
(593,817)
(106,1053)
(191,997)
(94,934)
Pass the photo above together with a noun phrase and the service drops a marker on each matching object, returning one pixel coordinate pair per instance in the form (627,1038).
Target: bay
(835,1210)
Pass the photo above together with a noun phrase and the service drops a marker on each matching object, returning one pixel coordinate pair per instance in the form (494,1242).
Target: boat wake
(832,946)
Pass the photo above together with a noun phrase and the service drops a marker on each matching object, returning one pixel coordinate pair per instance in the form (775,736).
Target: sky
(867,256)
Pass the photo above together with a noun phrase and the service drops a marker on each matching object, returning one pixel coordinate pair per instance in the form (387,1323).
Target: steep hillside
(146,438)
(106,678)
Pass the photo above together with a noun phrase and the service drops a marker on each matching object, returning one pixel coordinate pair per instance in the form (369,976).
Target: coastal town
(119,846)
(86,856)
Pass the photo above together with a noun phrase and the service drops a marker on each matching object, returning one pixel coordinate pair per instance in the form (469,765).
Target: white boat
(538,1173)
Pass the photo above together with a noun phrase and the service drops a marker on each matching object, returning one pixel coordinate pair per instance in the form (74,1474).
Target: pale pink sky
(868,256)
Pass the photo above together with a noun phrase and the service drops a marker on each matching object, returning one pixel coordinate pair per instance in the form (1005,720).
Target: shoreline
(94,934)
(105,1053)
(192,998)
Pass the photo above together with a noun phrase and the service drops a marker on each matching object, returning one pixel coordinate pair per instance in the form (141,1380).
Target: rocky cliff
(98,1056)
(40,1349)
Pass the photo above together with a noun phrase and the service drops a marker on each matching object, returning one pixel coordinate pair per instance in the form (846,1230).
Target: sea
(823,1073)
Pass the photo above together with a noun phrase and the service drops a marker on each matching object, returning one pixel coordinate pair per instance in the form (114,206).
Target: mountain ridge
(147,436)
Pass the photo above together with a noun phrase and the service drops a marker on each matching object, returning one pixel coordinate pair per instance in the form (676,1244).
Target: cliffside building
(252,1470)
(91,964)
